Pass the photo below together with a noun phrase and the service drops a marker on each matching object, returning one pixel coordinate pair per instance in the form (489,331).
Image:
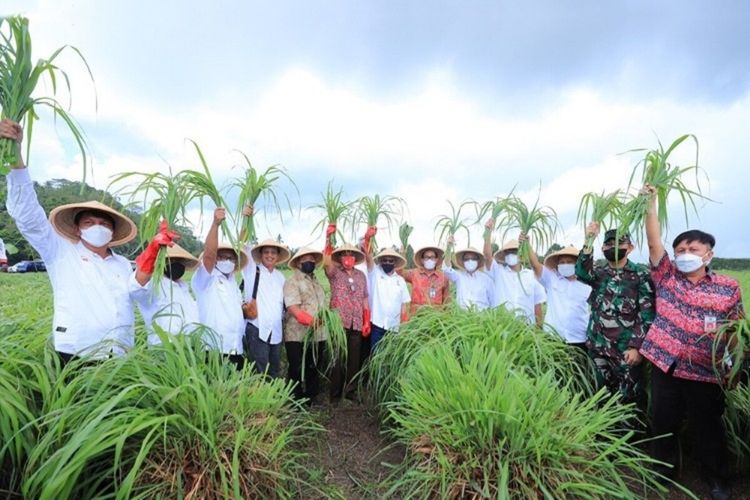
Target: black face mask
(609,254)
(307,267)
(174,271)
(387,268)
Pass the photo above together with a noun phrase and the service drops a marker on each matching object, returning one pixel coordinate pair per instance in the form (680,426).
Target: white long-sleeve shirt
(220,308)
(472,289)
(387,294)
(567,305)
(270,300)
(173,309)
(517,291)
(92,304)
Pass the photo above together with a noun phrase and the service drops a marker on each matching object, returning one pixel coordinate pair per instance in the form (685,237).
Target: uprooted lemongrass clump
(404,232)
(19,79)
(539,223)
(253,186)
(666,178)
(328,324)
(604,209)
(336,211)
(475,426)
(372,209)
(448,225)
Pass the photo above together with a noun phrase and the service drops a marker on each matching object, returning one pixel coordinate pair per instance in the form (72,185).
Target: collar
(82,248)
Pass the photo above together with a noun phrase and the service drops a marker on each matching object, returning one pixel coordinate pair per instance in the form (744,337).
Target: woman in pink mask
(349,298)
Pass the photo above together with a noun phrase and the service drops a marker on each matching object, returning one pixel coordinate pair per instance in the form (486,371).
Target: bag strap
(257,279)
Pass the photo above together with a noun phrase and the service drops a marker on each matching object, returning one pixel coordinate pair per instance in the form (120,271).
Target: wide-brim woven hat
(243,256)
(459,258)
(400,260)
(294,262)
(419,255)
(63,217)
(499,256)
(552,259)
(510,245)
(284,252)
(359,256)
(176,252)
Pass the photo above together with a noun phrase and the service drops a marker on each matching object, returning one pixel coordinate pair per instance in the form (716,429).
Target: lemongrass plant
(254,185)
(449,224)
(329,321)
(603,209)
(539,223)
(737,421)
(201,185)
(19,79)
(336,211)
(656,170)
(373,209)
(166,197)
(404,231)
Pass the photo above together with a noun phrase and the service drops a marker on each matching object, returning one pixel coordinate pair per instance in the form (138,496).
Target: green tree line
(58,192)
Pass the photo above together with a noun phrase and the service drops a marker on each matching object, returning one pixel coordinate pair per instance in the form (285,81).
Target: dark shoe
(719,490)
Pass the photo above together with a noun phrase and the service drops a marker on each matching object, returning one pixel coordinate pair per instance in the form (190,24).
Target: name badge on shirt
(710,324)
(433,293)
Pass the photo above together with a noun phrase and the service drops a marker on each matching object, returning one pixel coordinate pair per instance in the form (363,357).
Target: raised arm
(371,231)
(653,231)
(585,261)
(533,259)
(211,246)
(146,261)
(328,265)
(487,249)
(247,212)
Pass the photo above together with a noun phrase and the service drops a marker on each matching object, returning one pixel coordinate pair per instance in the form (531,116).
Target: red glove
(330,231)
(304,318)
(404,317)
(371,231)
(147,259)
(366,326)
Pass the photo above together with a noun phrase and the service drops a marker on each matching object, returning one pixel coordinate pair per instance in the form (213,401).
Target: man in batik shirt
(622,310)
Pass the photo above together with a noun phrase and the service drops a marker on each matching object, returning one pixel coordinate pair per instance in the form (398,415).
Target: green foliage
(19,78)
(335,210)
(538,222)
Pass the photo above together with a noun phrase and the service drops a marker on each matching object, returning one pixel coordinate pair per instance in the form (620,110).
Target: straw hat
(63,217)
(243,256)
(511,245)
(419,255)
(359,256)
(176,252)
(294,262)
(400,261)
(553,258)
(284,252)
(459,261)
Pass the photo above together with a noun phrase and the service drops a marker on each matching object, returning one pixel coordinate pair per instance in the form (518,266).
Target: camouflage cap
(612,234)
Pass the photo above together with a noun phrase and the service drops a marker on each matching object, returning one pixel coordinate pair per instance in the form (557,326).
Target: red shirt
(427,287)
(687,315)
(348,294)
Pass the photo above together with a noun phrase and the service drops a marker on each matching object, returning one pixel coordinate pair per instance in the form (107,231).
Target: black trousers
(341,377)
(307,384)
(703,404)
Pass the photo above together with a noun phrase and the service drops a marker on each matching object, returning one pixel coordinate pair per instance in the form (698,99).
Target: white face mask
(96,235)
(225,266)
(511,259)
(689,262)
(566,270)
(471,265)
(429,264)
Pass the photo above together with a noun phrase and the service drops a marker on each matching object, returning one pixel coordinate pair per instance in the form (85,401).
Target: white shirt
(220,308)
(517,291)
(567,305)
(472,289)
(91,296)
(386,295)
(270,300)
(172,308)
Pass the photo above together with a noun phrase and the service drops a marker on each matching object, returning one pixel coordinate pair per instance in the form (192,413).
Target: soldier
(622,309)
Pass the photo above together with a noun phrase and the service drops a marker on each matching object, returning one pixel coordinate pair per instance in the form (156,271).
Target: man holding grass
(687,373)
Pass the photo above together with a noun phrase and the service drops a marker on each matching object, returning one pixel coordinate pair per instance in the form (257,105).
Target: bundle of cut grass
(604,209)
(335,342)
(372,209)
(449,224)
(538,222)
(19,78)
(336,211)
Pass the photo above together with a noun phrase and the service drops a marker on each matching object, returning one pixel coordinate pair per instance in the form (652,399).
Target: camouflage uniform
(622,310)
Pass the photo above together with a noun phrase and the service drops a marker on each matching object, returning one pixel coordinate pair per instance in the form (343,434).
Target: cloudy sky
(429,101)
